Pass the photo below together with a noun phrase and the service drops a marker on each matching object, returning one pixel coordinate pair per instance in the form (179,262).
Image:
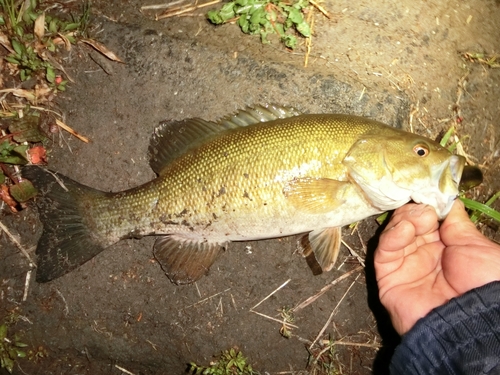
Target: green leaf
(447,136)
(259,17)
(214,17)
(53,26)
(62,85)
(23,191)
(23,75)
(289,40)
(16,156)
(8,363)
(27,129)
(12,60)
(13,159)
(304,29)
(3,332)
(482,208)
(278,27)
(50,75)
(380,219)
(300,4)
(71,26)
(226,13)
(19,30)
(271,16)
(18,47)
(244,24)
(295,16)
(247,9)
(2,178)
(51,46)
(32,16)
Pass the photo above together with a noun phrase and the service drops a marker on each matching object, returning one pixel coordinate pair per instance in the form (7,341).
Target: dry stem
(184,9)
(333,313)
(206,299)
(270,294)
(325,288)
(18,245)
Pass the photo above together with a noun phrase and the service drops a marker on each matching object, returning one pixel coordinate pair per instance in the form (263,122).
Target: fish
(264,172)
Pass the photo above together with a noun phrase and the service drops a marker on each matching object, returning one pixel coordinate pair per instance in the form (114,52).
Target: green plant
(265,17)
(476,209)
(323,361)
(482,58)
(230,362)
(287,315)
(33,35)
(10,349)
(16,149)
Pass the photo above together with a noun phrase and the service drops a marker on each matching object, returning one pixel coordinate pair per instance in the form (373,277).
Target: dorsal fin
(172,139)
(254,115)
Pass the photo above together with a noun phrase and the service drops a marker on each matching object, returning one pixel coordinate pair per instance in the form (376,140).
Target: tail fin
(67,240)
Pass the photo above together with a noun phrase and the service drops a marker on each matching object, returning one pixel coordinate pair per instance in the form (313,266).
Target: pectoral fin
(315,195)
(185,261)
(321,248)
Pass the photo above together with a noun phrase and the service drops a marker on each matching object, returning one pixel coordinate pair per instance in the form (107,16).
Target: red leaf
(37,155)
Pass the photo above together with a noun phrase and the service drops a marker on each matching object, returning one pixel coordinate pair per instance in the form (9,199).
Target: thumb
(458,229)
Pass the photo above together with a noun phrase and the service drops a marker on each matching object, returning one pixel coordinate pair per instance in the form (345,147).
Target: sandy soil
(400,62)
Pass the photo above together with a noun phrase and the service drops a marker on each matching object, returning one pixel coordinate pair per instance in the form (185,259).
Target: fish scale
(265,172)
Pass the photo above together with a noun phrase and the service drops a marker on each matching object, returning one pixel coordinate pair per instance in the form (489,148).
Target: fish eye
(421,150)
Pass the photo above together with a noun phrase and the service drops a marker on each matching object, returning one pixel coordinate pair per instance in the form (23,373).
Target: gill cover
(398,169)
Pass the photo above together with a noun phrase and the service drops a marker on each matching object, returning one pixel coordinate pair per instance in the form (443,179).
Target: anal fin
(321,248)
(183,260)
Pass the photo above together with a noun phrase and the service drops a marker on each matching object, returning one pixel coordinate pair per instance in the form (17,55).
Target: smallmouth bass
(264,172)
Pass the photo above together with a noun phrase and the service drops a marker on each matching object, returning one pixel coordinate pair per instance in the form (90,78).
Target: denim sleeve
(460,337)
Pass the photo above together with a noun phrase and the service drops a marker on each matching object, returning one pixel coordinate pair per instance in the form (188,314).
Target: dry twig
(270,294)
(333,313)
(184,9)
(325,288)
(124,370)
(18,244)
(320,8)
(206,299)
(71,131)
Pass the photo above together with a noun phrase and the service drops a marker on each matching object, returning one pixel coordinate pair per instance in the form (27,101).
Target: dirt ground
(400,62)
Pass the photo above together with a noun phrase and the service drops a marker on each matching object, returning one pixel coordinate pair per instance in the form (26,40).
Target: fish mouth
(456,168)
(443,189)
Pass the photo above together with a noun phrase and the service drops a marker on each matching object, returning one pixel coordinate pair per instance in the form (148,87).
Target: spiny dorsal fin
(261,113)
(172,139)
(183,260)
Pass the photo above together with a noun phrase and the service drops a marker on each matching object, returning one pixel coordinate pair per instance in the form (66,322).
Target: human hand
(421,265)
